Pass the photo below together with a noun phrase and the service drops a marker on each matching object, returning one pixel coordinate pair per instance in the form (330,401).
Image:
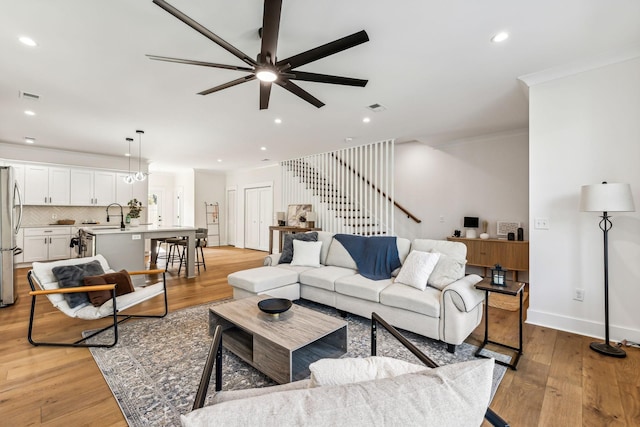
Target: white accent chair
(43,282)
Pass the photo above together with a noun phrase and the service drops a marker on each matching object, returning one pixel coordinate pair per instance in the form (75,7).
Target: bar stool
(174,254)
(201,241)
(165,255)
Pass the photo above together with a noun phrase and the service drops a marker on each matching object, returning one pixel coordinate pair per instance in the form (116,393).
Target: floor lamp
(606,198)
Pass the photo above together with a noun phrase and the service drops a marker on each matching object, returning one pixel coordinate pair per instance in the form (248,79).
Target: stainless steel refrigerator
(10,218)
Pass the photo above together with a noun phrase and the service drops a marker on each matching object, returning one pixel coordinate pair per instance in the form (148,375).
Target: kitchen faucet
(121,214)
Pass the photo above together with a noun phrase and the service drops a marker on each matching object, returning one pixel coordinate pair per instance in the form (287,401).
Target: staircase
(351,190)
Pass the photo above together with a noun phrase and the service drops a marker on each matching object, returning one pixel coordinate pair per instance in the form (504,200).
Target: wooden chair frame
(117,318)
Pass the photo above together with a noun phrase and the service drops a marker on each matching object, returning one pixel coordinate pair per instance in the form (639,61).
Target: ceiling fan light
(266,75)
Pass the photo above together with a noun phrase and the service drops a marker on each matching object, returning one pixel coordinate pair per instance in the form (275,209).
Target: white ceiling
(429,62)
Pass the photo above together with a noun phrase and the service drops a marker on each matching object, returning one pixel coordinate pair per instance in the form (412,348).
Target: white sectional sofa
(449,309)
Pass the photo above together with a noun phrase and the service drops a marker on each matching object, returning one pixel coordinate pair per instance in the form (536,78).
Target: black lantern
(498,276)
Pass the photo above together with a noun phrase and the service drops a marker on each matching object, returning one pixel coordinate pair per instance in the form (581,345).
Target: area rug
(155,369)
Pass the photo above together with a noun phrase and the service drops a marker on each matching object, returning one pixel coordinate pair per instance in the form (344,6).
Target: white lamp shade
(280,216)
(613,197)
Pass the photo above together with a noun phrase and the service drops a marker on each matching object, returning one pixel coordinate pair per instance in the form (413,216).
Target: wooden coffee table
(281,346)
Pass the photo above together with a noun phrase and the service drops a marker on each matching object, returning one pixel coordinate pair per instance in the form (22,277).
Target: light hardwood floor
(559,381)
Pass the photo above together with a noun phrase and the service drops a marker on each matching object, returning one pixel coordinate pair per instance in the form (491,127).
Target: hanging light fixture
(129,179)
(140,176)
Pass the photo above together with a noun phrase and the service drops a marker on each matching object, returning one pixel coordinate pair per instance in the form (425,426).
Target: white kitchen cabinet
(46,185)
(92,187)
(46,243)
(126,192)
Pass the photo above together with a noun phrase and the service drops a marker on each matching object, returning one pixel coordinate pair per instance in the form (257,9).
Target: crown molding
(577,67)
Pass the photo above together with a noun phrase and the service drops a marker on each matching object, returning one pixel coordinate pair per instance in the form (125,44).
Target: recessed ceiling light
(127,154)
(366,120)
(278,121)
(29,113)
(500,37)
(219,160)
(348,139)
(27,41)
(29,140)
(263,148)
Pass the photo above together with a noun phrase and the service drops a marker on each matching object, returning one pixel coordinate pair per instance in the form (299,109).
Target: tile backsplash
(42,215)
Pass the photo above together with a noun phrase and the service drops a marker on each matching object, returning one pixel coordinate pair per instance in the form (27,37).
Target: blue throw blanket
(376,257)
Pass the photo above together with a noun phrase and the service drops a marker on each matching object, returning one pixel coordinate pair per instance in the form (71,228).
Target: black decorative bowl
(274,305)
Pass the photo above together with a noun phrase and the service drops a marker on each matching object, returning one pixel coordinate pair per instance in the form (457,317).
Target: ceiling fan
(267,68)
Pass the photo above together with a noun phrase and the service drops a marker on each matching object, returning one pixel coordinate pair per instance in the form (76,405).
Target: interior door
(178,207)
(258,210)
(265,215)
(252,218)
(231,216)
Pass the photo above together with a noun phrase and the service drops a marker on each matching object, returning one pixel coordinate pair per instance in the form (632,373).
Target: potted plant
(135,207)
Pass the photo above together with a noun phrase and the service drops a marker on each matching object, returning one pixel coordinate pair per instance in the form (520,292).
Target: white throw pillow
(352,370)
(306,253)
(447,270)
(417,268)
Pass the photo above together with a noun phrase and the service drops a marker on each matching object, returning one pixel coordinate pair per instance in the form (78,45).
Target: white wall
(585,129)
(210,187)
(485,177)
(269,175)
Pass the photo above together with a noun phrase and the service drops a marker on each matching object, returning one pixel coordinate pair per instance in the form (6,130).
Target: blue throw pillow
(287,245)
(71,276)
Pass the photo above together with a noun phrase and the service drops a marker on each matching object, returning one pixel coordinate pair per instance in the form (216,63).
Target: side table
(286,229)
(514,289)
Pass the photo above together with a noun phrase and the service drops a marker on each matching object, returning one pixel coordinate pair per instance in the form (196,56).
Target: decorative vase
(135,222)
(484,236)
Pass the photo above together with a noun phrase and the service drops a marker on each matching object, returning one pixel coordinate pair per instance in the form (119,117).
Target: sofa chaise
(448,309)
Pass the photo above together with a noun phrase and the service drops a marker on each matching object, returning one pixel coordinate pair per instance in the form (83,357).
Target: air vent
(31,96)
(377,107)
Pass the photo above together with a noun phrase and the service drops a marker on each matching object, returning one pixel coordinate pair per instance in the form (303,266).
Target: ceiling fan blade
(228,84)
(297,90)
(204,64)
(265,93)
(205,32)
(325,50)
(325,78)
(270,29)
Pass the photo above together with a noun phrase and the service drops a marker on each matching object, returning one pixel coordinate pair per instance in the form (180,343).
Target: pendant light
(140,176)
(129,179)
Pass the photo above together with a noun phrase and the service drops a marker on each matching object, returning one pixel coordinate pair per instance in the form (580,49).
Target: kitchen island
(125,248)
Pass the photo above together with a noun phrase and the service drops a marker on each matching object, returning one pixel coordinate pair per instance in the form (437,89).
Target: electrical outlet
(135,237)
(541,223)
(578,294)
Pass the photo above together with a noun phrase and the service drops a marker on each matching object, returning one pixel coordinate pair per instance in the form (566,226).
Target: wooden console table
(512,255)
(282,230)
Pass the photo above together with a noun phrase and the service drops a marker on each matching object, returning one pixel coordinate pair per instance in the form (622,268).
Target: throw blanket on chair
(376,257)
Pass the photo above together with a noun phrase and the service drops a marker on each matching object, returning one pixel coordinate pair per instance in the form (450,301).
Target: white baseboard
(581,326)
